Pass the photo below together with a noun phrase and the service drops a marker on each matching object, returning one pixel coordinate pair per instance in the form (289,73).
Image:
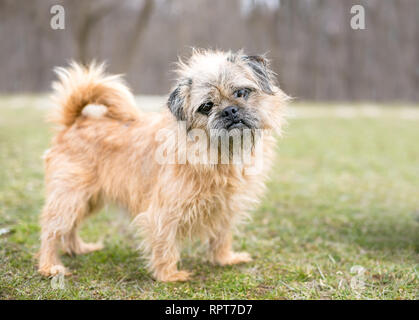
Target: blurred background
(314,50)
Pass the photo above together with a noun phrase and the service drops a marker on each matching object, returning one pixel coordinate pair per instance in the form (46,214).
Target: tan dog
(106,150)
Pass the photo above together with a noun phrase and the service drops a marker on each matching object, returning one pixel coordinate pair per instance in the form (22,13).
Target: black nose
(230,112)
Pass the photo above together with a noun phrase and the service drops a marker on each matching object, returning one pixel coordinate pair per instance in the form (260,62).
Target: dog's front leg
(221,251)
(160,243)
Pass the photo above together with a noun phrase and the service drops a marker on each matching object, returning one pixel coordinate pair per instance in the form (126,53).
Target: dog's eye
(242,93)
(206,107)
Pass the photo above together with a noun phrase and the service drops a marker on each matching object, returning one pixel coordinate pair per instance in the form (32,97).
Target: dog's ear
(260,67)
(177,99)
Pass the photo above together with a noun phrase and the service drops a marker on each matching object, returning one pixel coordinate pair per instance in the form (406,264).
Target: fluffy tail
(78,86)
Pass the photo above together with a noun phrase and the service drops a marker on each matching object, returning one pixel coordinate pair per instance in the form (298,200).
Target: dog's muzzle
(232,118)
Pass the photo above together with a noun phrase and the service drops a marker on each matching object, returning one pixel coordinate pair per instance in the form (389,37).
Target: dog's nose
(230,112)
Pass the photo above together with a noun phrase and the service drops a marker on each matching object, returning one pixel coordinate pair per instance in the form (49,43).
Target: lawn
(340,219)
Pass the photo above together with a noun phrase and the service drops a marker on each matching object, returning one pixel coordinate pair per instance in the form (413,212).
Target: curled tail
(78,86)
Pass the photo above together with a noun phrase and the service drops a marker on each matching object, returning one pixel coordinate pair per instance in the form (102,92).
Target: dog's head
(224,90)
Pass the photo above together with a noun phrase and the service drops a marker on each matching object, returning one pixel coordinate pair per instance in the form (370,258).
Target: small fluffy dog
(105,151)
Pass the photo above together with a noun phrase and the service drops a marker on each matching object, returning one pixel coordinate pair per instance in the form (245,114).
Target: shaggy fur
(104,152)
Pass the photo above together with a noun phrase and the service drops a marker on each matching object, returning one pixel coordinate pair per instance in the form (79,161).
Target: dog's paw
(53,270)
(180,275)
(234,258)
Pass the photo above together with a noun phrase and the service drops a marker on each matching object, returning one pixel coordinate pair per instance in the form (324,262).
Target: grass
(340,219)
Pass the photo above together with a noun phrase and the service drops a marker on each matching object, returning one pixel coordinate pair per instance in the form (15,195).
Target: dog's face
(218,90)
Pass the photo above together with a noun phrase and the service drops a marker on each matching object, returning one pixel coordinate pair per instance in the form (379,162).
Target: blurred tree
(143,18)
(89,14)
(310,42)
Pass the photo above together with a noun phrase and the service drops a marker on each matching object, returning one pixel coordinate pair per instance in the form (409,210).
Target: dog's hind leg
(222,252)
(63,211)
(71,242)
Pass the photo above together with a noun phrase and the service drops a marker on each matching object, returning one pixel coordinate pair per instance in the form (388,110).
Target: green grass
(340,219)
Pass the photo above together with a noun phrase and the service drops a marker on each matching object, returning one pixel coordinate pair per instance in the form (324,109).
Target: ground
(340,219)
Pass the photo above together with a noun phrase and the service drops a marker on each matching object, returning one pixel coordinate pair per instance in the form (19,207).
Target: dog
(104,150)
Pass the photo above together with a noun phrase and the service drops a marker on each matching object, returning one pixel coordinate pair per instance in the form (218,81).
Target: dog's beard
(233,146)
(233,139)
